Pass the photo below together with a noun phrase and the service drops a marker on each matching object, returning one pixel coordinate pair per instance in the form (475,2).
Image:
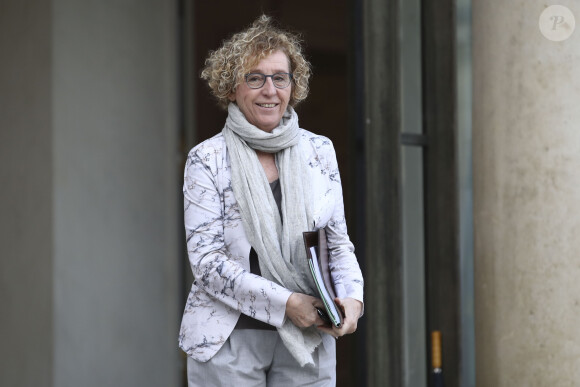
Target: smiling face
(265,106)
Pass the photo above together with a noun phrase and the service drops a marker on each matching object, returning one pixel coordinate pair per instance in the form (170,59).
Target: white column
(526,153)
(92,212)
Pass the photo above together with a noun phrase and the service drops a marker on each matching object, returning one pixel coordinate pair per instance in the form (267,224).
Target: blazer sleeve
(216,271)
(345,271)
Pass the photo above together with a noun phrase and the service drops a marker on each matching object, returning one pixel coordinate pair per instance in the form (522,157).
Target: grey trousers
(252,357)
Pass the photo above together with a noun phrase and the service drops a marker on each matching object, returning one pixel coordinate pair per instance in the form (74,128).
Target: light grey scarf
(279,246)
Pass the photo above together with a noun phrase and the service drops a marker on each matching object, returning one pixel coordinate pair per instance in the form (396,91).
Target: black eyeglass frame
(290,75)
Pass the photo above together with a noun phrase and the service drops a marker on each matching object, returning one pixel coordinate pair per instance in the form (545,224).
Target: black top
(245,321)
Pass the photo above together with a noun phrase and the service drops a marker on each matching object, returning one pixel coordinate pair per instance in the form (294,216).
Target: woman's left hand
(351,310)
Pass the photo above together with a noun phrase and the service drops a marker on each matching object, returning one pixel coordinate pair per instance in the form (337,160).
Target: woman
(250,192)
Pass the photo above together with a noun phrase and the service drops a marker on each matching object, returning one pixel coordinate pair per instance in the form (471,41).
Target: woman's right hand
(301,309)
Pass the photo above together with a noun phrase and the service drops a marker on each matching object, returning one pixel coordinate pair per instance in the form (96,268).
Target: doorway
(333,108)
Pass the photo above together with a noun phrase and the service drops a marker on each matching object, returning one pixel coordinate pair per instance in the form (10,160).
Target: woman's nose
(269,87)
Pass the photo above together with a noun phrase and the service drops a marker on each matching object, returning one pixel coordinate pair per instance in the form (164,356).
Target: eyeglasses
(257,80)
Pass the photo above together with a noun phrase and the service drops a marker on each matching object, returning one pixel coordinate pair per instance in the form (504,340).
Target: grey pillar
(383,250)
(526,152)
(89,248)
(26,196)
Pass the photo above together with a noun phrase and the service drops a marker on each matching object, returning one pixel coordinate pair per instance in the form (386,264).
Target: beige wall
(526,153)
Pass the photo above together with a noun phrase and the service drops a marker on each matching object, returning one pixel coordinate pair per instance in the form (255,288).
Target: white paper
(326,297)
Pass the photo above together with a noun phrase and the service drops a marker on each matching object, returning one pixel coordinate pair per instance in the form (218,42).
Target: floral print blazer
(218,250)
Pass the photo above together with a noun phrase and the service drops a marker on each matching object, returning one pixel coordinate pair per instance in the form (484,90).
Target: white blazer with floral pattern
(218,250)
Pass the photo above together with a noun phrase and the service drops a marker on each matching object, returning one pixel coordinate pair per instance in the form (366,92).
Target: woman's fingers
(351,309)
(301,310)
(318,303)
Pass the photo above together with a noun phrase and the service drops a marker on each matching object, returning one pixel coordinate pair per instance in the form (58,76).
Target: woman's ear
(232,97)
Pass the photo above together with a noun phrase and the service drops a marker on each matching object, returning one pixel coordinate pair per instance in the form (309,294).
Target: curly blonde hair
(226,67)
